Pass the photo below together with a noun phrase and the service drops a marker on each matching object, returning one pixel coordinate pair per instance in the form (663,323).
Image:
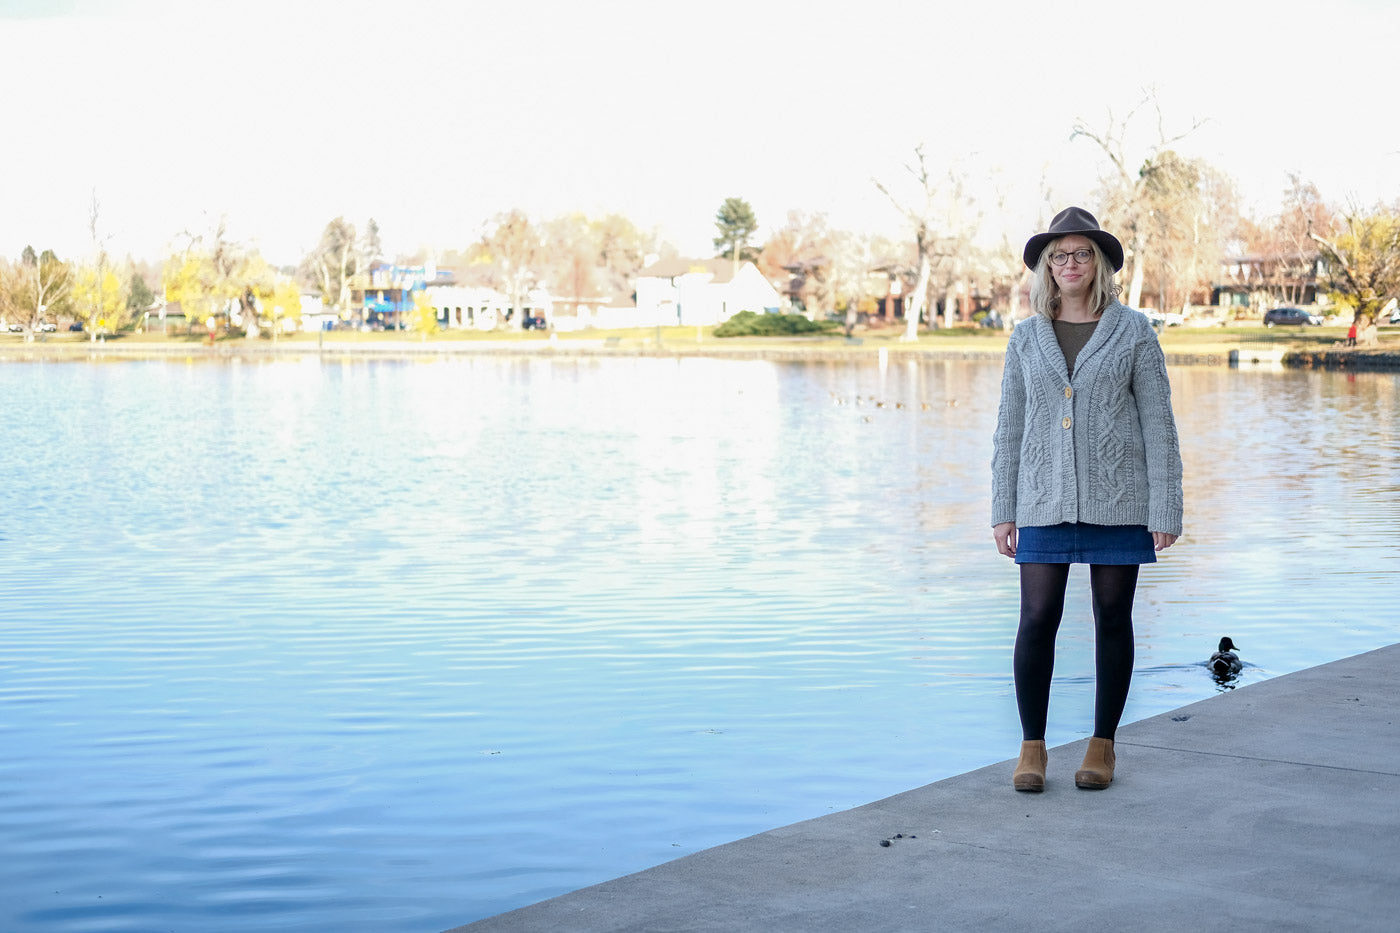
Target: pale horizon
(433,117)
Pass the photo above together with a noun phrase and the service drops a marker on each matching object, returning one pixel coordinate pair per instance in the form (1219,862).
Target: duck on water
(1225,662)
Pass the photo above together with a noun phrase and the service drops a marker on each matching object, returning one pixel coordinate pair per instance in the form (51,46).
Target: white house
(701,292)
(460,307)
(607,312)
(314,313)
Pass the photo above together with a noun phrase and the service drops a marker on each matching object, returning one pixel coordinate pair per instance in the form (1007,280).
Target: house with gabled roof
(702,292)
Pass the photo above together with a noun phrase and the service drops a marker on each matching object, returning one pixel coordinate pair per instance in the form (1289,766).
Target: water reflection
(393,645)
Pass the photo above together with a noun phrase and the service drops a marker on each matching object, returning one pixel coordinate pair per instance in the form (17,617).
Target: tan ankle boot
(1096,772)
(1030,769)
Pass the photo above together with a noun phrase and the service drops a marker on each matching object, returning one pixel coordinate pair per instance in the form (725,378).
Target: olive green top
(1072,336)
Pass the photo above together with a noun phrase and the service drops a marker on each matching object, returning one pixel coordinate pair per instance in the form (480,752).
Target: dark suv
(1290,316)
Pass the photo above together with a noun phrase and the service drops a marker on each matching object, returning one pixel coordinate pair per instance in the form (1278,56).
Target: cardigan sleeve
(1153,393)
(1006,443)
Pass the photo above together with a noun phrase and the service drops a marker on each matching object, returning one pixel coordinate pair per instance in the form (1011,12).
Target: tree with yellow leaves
(98,300)
(423,318)
(1362,255)
(217,279)
(189,284)
(97,297)
(281,302)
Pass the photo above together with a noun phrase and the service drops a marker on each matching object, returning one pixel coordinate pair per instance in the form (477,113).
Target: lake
(393,645)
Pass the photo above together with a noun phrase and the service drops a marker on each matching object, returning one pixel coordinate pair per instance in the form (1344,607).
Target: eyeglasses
(1081,256)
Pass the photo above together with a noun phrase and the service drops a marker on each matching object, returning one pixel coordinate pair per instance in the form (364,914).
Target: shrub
(749,324)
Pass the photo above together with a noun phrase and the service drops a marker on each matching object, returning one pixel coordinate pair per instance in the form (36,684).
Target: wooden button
(1068,392)
(1067,422)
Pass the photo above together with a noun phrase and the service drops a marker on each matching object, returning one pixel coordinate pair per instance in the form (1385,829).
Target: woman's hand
(1005,536)
(1161,540)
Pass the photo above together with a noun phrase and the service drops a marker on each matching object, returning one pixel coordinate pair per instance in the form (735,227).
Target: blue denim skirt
(1082,543)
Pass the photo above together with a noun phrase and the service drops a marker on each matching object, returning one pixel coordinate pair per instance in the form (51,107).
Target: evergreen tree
(139,296)
(371,248)
(736,222)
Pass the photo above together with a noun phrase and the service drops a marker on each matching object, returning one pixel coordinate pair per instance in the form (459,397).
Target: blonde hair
(1045,294)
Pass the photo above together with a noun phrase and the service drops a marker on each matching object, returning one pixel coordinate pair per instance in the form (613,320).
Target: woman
(1086,469)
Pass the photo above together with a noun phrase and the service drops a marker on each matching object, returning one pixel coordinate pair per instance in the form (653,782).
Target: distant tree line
(1179,219)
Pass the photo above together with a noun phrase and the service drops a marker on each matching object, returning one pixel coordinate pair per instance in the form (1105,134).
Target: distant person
(1351,334)
(1086,469)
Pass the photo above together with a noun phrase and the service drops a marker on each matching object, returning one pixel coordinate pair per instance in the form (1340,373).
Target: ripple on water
(271,671)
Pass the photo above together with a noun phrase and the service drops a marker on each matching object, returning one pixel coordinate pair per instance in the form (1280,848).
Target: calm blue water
(384,645)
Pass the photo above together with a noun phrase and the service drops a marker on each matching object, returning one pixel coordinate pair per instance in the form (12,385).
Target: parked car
(76,327)
(1290,316)
(1163,319)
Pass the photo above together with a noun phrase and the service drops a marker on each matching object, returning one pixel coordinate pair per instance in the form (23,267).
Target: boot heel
(1096,772)
(1030,768)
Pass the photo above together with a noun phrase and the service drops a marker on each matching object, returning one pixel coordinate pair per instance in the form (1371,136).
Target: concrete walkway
(1272,807)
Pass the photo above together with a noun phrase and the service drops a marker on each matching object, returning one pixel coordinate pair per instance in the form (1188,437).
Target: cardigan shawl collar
(1113,317)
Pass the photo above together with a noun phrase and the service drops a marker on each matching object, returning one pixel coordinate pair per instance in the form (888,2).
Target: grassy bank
(1312,346)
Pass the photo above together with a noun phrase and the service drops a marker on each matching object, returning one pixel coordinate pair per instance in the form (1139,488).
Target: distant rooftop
(721,269)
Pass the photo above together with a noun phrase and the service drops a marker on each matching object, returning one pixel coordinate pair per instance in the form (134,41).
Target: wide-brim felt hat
(1075,220)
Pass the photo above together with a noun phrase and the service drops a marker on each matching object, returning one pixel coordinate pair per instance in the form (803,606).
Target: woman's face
(1073,278)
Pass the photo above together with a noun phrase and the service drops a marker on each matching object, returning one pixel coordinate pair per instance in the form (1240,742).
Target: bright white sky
(432,116)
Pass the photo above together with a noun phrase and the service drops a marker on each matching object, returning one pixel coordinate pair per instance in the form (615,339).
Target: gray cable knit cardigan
(1100,447)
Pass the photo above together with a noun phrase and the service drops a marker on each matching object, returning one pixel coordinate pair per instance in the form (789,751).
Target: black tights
(1042,604)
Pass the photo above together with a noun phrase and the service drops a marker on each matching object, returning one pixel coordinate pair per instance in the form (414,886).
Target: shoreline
(1224,814)
(1230,354)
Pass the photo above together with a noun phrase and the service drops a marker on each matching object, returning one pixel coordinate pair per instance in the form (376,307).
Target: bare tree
(1283,261)
(1129,205)
(336,259)
(96,291)
(513,251)
(569,260)
(941,216)
(622,251)
(802,252)
(37,289)
(920,216)
(958,260)
(1006,264)
(1192,211)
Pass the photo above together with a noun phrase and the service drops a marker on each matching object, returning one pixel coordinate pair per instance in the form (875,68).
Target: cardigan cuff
(1168,522)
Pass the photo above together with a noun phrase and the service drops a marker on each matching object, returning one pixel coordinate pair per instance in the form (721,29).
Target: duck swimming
(1225,662)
